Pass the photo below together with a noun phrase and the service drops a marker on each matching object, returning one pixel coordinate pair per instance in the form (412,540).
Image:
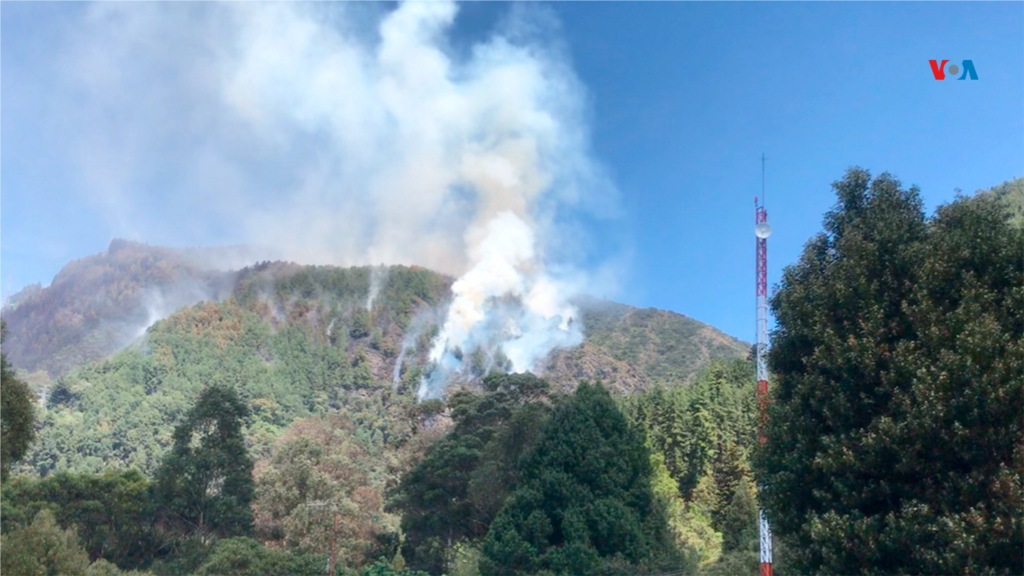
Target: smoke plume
(347,134)
(378,278)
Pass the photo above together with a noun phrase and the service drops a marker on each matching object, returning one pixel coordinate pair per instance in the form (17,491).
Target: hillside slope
(302,340)
(631,349)
(96,305)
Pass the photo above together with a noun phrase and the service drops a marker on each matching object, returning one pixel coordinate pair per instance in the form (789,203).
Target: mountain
(98,304)
(294,340)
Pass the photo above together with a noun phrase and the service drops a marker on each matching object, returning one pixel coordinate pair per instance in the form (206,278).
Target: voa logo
(940,70)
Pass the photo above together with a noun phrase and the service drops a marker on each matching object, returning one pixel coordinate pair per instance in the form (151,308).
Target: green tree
(17,413)
(43,548)
(730,471)
(112,511)
(686,538)
(360,324)
(739,518)
(692,425)
(383,568)
(584,503)
(895,430)
(205,484)
(456,490)
(247,557)
(702,542)
(319,459)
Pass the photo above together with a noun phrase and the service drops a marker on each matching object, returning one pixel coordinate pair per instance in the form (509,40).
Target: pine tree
(584,504)
(730,470)
(738,519)
(895,429)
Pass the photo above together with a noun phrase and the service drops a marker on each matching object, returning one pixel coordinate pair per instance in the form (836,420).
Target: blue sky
(681,101)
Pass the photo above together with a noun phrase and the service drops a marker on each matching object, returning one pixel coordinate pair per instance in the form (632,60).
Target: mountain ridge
(96,305)
(294,340)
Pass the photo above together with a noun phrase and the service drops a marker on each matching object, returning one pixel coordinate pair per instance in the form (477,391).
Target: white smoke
(161,302)
(505,270)
(378,278)
(343,134)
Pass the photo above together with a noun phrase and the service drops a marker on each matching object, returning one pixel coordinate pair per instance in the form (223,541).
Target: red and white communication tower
(762,230)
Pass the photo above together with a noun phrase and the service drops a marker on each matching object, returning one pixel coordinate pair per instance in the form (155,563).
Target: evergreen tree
(895,430)
(205,484)
(17,414)
(584,503)
(730,470)
(455,492)
(738,522)
(666,496)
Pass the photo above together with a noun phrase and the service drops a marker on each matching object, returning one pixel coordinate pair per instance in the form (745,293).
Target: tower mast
(762,230)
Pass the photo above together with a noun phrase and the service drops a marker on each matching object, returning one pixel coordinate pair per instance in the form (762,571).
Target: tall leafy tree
(895,430)
(319,459)
(205,484)
(17,413)
(458,488)
(584,503)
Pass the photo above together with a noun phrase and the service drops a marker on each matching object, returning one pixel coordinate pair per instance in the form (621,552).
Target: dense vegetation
(631,349)
(896,434)
(517,448)
(97,305)
(283,342)
(1010,196)
(327,414)
(583,503)
(17,415)
(455,492)
(299,341)
(461,476)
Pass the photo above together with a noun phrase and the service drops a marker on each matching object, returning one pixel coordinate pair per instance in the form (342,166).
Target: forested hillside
(325,362)
(296,341)
(97,305)
(632,349)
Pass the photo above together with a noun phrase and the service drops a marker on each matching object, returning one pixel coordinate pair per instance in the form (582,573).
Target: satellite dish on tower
(763,230)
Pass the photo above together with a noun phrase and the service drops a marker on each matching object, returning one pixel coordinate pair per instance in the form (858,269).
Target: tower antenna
(762,178)
(762,230)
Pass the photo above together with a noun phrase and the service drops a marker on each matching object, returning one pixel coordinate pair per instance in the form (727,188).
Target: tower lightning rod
(762,178)
(762,230)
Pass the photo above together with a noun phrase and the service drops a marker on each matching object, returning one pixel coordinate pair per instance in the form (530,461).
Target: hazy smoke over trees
(346,134)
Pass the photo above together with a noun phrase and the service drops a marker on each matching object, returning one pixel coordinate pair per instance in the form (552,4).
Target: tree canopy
(895,426)
(205,485)
(17,413)
(584,503)
(454,493)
